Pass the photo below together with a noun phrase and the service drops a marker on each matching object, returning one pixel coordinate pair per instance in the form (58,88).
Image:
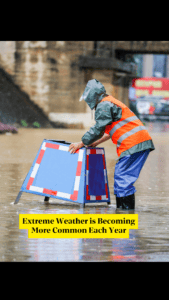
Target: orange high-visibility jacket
(128,131)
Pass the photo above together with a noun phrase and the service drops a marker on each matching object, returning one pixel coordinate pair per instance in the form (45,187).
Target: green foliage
(36,124)
(23,123)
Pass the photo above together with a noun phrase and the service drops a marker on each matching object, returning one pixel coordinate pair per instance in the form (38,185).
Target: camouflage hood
(93,93)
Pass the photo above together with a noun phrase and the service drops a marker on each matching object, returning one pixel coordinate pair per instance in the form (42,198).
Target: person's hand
(93,144)
(75,146)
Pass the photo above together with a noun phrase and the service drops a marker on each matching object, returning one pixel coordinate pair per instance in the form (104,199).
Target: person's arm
(103,117)
(106,113)
(103,139)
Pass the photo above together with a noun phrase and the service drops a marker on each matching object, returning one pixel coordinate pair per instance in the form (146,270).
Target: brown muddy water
(150,242)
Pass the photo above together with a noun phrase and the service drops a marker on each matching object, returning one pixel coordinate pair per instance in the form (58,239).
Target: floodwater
(150,242)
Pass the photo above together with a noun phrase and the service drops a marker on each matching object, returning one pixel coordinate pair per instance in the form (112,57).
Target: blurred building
(152,65)
(49,72)
(54,73)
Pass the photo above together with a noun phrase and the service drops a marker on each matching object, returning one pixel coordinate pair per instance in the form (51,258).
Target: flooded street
(150,242)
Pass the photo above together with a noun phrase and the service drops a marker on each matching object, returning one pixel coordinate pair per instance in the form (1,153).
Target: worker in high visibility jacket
(133,143)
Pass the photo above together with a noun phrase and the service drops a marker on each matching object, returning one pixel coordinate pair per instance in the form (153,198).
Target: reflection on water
(148,243)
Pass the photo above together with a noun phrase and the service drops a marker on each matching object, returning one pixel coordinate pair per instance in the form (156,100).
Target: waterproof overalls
(133,142)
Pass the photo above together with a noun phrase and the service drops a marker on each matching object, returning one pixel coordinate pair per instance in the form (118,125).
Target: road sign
(56,173)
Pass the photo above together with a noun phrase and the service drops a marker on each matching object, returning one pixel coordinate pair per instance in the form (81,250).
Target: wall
(7,56)
(48,72)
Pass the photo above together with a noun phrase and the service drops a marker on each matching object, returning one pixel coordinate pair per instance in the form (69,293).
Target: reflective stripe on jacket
(128,131)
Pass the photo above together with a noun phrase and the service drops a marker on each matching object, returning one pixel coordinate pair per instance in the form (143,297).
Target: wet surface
(150,242)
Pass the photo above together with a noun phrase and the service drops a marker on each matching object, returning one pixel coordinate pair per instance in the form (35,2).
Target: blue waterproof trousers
(127,171)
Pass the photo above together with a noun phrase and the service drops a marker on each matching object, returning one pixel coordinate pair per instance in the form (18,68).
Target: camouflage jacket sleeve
(106,113)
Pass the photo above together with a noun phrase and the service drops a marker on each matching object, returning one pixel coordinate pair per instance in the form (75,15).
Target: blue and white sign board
(80,177)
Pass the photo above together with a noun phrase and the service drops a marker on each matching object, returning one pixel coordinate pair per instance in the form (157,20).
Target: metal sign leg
(18,197)
(46,199)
